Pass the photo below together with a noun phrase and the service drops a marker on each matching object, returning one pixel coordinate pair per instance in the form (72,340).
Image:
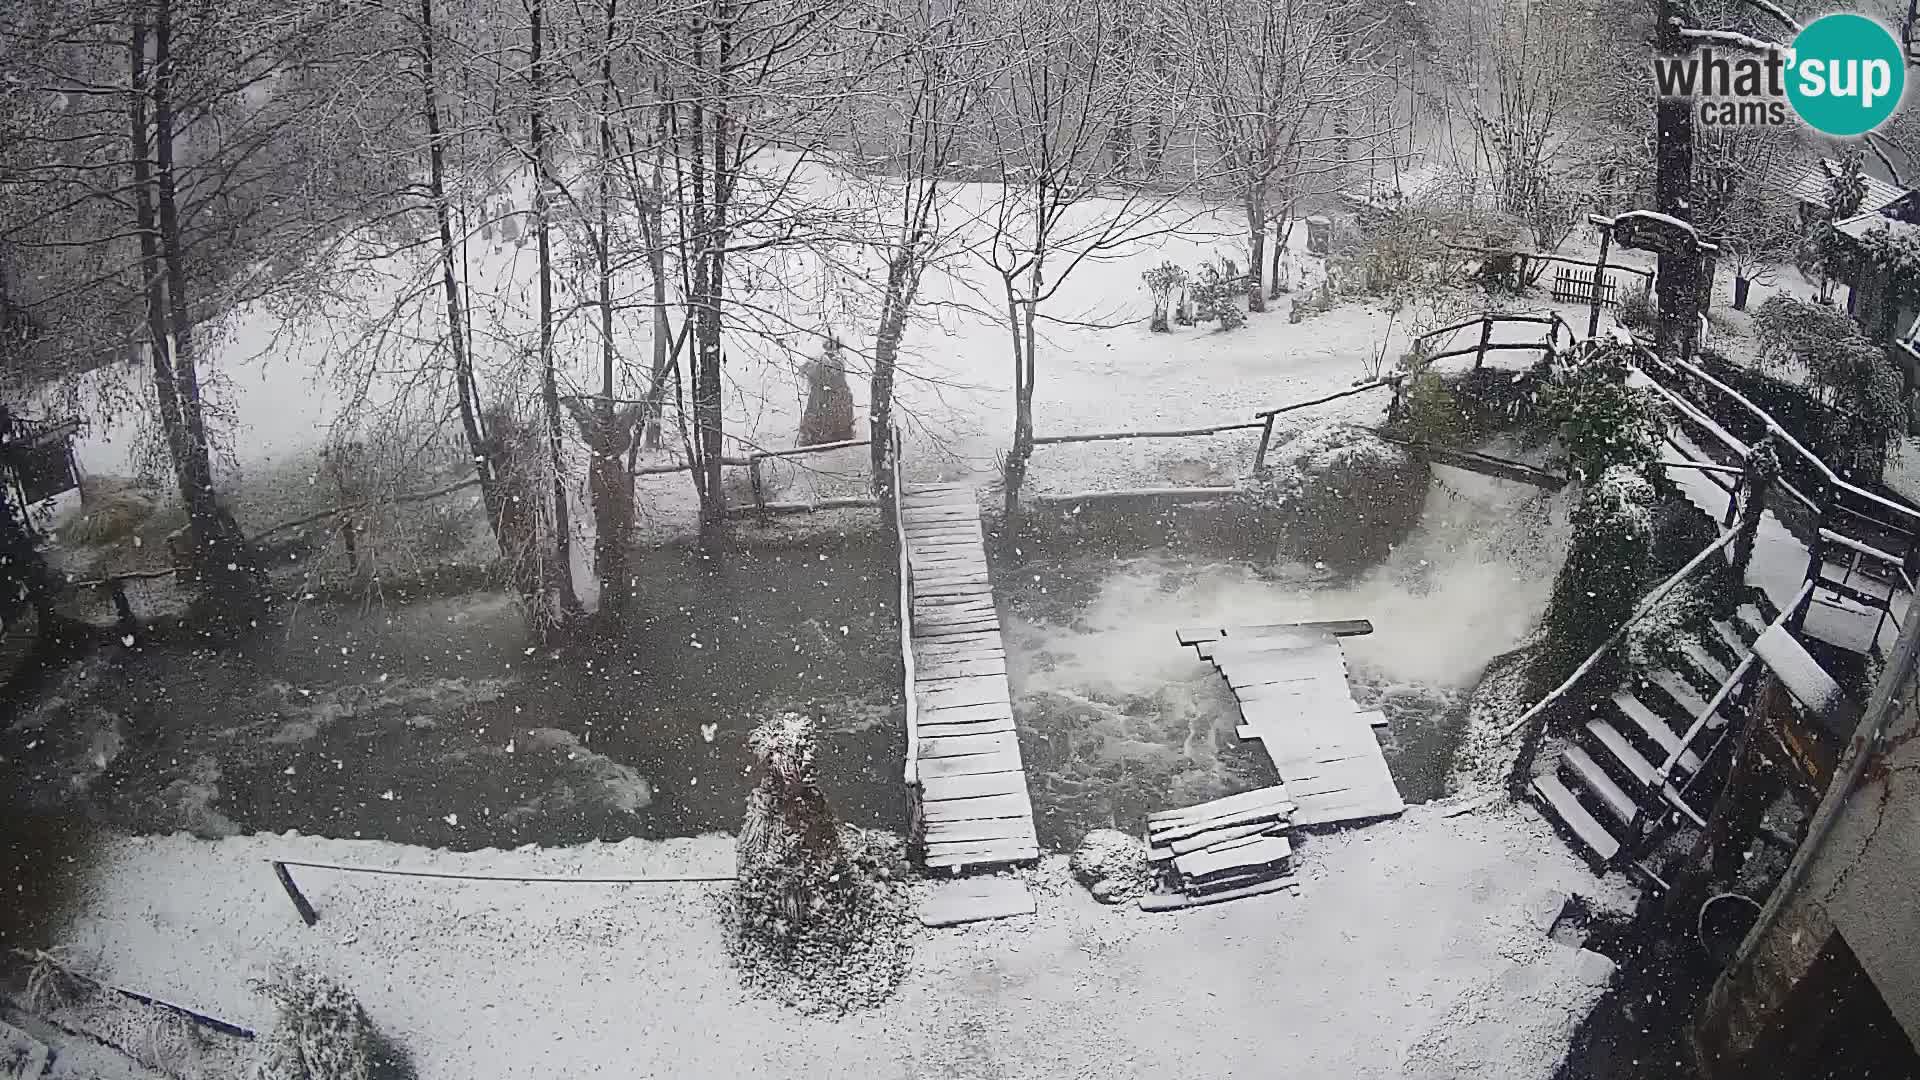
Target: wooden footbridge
(971,807)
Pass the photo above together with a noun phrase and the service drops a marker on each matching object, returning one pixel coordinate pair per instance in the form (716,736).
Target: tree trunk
(549,381)
(485,465)
(611,483)
(152,273)
(901,281)
(1257,242)
(222,557)
(1021,319)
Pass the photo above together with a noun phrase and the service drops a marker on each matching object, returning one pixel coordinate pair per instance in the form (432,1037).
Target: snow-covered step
(1715,671)
(1686,697)
(1595,779)
(1634,762)
(1750,618)
(1656,728)
(1584,826)
(1730,638)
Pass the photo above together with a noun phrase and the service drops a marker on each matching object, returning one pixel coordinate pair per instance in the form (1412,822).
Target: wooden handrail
(1639,612)
(1103,436)
(1786,437)
(912,768)
(1373,384)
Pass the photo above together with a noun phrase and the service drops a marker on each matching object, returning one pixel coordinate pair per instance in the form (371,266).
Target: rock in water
(829,413)
(1112,865)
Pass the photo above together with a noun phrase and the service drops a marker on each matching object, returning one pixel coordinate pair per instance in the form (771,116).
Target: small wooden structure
(971,807)
(1221,850)
(36,458)
(1574,284)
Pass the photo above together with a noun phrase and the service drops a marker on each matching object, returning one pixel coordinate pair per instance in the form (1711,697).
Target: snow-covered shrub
(1161,281)
(1603,422)
(1217,289)
(1636,309)
(808,922)
(1112,865)
(1603,578)
(1674,620)
(321,1032)
(1339,493)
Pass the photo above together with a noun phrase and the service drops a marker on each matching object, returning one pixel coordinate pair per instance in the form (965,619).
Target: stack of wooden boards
(1221,850)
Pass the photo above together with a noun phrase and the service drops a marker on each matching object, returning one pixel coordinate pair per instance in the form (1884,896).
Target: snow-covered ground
(1412,948)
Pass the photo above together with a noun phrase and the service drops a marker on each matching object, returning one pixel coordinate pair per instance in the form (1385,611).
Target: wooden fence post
(307,914)
(123,612)
(1486,338)
(1266,439)
(1599,278)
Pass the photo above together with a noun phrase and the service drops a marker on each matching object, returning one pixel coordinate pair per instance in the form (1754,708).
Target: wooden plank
(1244,817)
(957,745)
(952,590)
(952,574)
(1263,852)
(997,709)
(979,831)
(969,765)
(967,637)
(973,787)
(1708,664)
(961,669)
(978,808)
(951,692)
(1246,800)
(978,727)
(986,854)
(1181,901)
(973,624)
(1594,779)
(1803,677)
(1585,827)
(1336,627)
(984,645)
(935,606)
(1655,728)
(1206,840)
(1224,648)
(953,903)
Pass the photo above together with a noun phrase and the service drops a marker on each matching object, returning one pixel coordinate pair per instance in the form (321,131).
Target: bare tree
(1280,82)
(1062,204)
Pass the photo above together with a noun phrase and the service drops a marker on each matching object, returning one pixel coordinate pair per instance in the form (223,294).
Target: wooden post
(1486,337)
(1762,466)
(307,914)
(753,475)
(123,612)
(1599,278)
(1266,438)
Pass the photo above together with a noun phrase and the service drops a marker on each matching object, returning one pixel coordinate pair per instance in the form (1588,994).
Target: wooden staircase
(1606,783)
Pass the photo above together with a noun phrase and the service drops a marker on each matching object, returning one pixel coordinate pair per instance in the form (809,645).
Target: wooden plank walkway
(974,809)
(1291,684)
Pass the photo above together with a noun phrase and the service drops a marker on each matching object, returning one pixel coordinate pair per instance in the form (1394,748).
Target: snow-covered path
(1411,948)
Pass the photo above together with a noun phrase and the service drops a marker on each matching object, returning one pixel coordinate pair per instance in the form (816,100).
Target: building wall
(1863,881)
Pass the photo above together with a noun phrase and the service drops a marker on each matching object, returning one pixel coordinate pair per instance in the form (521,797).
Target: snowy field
(1427,934)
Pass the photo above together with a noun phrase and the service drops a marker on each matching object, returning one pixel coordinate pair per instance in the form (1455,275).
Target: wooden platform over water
(973,805)
(1291,684)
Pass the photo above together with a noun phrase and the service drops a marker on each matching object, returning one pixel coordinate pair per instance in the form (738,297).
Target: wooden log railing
(912,768)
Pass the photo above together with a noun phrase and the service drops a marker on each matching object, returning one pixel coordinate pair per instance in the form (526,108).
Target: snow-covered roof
(1808,184)
(1859,225)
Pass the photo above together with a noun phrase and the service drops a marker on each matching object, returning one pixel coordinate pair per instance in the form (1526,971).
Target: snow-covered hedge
(809,923)
(321,1033)
(1339,493)
(1604,576)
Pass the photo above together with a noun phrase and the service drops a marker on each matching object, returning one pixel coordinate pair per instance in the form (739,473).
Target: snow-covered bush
(1603,422)
(1112,865)
(1635,308)
(808,921)
(321,1033)
(1339,493)
(1161,281)
(1603,578)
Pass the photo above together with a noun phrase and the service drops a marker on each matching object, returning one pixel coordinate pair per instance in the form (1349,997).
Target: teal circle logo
(1846,75)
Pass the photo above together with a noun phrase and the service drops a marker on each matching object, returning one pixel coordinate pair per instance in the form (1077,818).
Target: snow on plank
(1259,853)
(978,808)
(973,787)
(1805,679)
(1246,800)
(952,903)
